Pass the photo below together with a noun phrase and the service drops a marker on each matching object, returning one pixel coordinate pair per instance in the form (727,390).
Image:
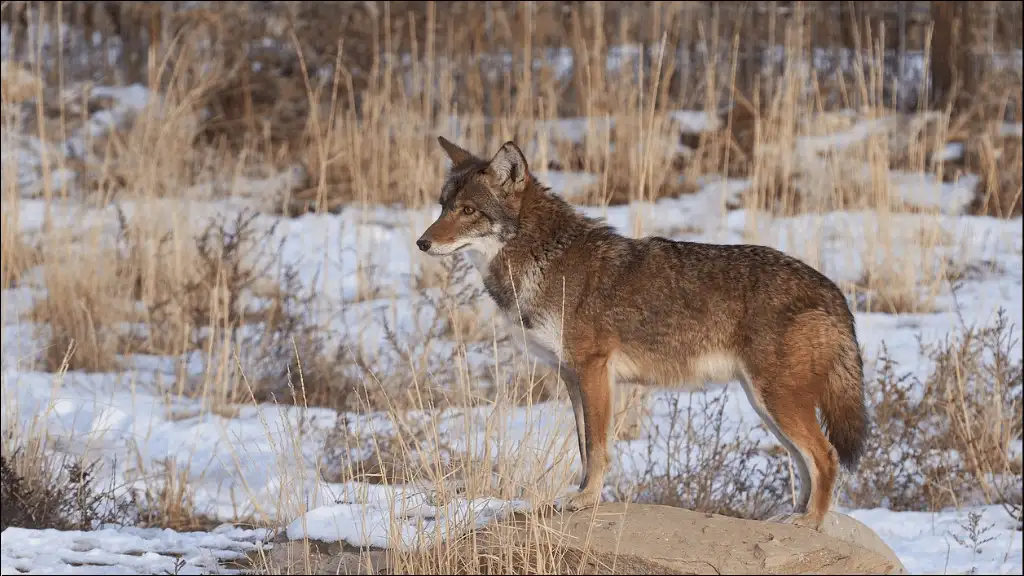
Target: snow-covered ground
(943,544)
(265,461)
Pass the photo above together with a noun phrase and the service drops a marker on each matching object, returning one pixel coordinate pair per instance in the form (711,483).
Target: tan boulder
(851,530)
(649,539)
(621,539)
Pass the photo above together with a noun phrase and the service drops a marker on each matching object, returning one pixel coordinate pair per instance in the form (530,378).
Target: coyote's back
(660,312)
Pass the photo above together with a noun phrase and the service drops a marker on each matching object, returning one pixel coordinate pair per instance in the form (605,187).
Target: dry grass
(17,255)
(999,162)
(171,503)
(82,301)
(160,275)
(889,293)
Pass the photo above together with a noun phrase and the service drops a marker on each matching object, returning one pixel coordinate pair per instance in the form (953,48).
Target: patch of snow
(113,550)
(408,522)
(693,121)
(951,151)
(927,543)
(135,97)
(570,185)
(928,192)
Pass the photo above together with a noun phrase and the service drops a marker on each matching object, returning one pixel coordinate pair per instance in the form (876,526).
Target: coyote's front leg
(572,384)
(595,397)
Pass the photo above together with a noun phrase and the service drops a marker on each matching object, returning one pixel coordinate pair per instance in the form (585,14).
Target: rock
(649,539)
(624,539)
(851,530)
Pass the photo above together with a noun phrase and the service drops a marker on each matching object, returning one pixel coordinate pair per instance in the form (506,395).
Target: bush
(61,494)
(947,440)
(706,469)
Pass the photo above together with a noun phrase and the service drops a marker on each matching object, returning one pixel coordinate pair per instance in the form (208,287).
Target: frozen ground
(264,461)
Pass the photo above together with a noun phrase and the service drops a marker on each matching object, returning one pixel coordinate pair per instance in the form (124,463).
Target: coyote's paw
(577,500)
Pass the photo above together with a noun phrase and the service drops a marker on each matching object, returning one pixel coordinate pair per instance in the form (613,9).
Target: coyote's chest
(518,296)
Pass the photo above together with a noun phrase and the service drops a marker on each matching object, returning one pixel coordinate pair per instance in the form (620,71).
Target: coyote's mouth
(437,251)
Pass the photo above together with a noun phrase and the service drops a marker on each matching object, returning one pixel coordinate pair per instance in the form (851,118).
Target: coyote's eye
(468,210)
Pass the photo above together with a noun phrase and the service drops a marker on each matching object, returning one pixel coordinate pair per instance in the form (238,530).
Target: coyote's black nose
(423,244)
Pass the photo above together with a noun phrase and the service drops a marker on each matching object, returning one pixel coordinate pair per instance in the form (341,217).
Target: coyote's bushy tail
(844,412)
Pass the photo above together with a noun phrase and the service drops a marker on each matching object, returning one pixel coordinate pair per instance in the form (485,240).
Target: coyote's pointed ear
(508,168)
(456,154)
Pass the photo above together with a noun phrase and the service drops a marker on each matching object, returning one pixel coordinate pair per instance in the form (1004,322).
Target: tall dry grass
(133,261)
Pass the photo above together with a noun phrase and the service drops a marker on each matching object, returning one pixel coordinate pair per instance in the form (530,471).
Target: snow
(267,461)
(695,122)
(114,550)
(410,523)
(941,543)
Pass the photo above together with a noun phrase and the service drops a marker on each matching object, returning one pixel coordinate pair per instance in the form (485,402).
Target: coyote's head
(480,202)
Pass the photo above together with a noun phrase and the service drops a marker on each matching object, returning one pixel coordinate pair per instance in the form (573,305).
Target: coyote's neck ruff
(603,307)
(546,230)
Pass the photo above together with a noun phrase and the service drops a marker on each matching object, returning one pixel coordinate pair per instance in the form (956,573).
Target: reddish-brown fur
(604,308)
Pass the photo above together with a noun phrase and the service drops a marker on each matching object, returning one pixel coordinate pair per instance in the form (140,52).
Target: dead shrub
(741,138)
(244,298)
(245,104)
(410,455)
(730,148)
(693,462)
(439,349)
(234,291)
(626,175)
(42,489)
(945,441)
(457,304)
(624,187)
(39,491)
(917,142)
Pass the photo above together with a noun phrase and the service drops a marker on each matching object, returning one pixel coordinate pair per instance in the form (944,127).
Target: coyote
(600,307)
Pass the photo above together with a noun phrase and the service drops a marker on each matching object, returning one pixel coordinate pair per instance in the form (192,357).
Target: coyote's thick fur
(601,306)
